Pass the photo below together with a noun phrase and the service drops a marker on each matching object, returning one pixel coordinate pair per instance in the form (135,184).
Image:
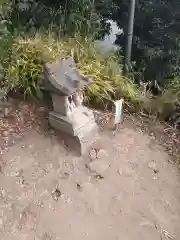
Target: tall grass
(22,58)
(29,55)
(169,101)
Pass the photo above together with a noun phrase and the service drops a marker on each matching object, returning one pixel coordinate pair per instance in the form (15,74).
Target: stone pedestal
(78,131)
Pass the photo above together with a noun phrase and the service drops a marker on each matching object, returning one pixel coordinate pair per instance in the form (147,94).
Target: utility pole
(128,47)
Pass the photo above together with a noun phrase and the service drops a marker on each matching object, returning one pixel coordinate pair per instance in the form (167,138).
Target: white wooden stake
(118,113)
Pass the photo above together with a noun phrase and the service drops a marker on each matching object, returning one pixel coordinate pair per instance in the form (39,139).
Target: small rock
(102,154)
(78,186)
(56,194)
(155,177)
(47,236)
(22,181)
(98,167)
(19,173)
(100,145)
(120,172)
(93,154)
(99,177)
(2,194)
(156,170)
(152,165)
(65,175)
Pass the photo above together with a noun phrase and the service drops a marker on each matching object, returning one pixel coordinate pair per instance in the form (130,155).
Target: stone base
(78,137)
(77,143)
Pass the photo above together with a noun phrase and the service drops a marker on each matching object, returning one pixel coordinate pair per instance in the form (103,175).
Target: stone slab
(82,118)
(79,139)
(61,123)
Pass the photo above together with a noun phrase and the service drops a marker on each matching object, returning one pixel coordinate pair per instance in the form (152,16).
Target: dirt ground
(131,192)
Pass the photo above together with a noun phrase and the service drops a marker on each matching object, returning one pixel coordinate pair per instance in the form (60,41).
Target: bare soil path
(131,192)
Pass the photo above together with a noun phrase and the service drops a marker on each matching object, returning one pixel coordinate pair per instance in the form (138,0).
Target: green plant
(29,55)
(65,17)
(109,84)
(26,65)
(168,102)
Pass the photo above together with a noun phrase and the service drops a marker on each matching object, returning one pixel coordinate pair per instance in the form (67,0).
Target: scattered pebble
(120,172)
(98,167)
(22,181)
(56,194)
(2,194)
(47,236)
(65,175)
(78,186)
(152,165)
(99,177)
(93,154)
(19,173)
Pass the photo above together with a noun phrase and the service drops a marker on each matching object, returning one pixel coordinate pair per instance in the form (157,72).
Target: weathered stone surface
(80,120)
(63,77)
(75,122)
(80,139)
(60,104)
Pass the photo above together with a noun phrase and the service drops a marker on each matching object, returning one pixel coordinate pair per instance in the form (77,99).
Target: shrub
(25,66)
(166,104)
(29,55)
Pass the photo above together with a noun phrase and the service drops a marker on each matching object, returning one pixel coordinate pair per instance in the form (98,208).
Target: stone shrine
(75,122)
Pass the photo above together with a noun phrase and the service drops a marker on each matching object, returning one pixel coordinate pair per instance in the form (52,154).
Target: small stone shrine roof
(63,77)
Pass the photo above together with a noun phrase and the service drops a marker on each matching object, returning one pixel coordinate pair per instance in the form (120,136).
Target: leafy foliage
(156,37)
(155,46)
(65,17)
(28,57)
(25,66)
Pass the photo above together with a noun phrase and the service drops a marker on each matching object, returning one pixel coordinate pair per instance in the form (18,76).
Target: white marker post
(118,113)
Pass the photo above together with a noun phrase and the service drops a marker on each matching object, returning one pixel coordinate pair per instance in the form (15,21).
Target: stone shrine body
(74,121)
